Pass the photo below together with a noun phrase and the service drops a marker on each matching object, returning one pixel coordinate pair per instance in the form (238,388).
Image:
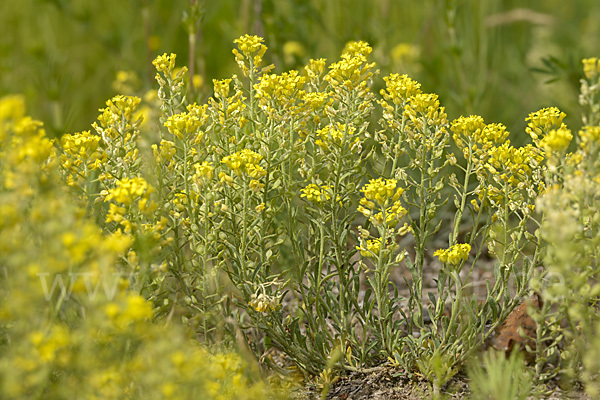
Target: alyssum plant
(276,210)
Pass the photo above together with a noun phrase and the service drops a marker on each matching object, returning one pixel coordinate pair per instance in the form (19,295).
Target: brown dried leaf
(518,328)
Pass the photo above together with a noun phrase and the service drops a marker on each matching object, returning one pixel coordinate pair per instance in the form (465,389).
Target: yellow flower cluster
(315,69)
(35,145)
(543,121)
(245,162)
(513,164)
(313,101)
(81,154)
(589,135)
(31,152)
(119,112)
(129,190)
(315,193)
(204,172)
(454,255)
(591,68)
(50,345)
(252,49)
(472,132)
(352,71)
(221,88)
(383,192)
(557,140)
(334,134)
(134,310)
(184,124)
(165,151)
(12,109)
(398,89)
(283,89)
(423,110)
(165,63)
(263,303)
(370,248)
(81,147)
(226,107)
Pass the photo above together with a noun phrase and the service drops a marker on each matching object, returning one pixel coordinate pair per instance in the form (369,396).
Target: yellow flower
(118,111)
(398,89)
(315,69)
(282,88)
(513,164)
(167,151)
(352,71)
(334,134)
(183,124)
(129,190)
(381,190)
(454,255)
(245,161)
(472,132)
(263,303)
(589,136)
(165,63)
(371,248)
(405,53)
(221,88)
(424,108)
(204,171)
(252,52)
(556,140)
(591,67)
(543,121)
(316,194)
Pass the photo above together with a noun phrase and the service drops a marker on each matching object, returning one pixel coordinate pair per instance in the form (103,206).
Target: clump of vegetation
(270,220)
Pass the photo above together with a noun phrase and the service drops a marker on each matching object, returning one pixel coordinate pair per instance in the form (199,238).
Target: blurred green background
(498,59)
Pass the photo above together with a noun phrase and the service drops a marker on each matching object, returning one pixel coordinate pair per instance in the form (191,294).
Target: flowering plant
(276,214)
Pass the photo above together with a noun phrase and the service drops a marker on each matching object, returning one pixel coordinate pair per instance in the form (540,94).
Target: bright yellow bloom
(315,69)
(372,248)
(204,171)
(183,124)
(315,193)
(382,190)
(165,63)
(249,45)
(252,52)
(283,90)
(591,67)
(221,88)
(454,255)
(334,134)
(167,151)
(398,89)
(128,190)
(556,140)
(352,71)
(543,121)
(425,108)
(472,132)
(119,111)
(513,164)
(245,162)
